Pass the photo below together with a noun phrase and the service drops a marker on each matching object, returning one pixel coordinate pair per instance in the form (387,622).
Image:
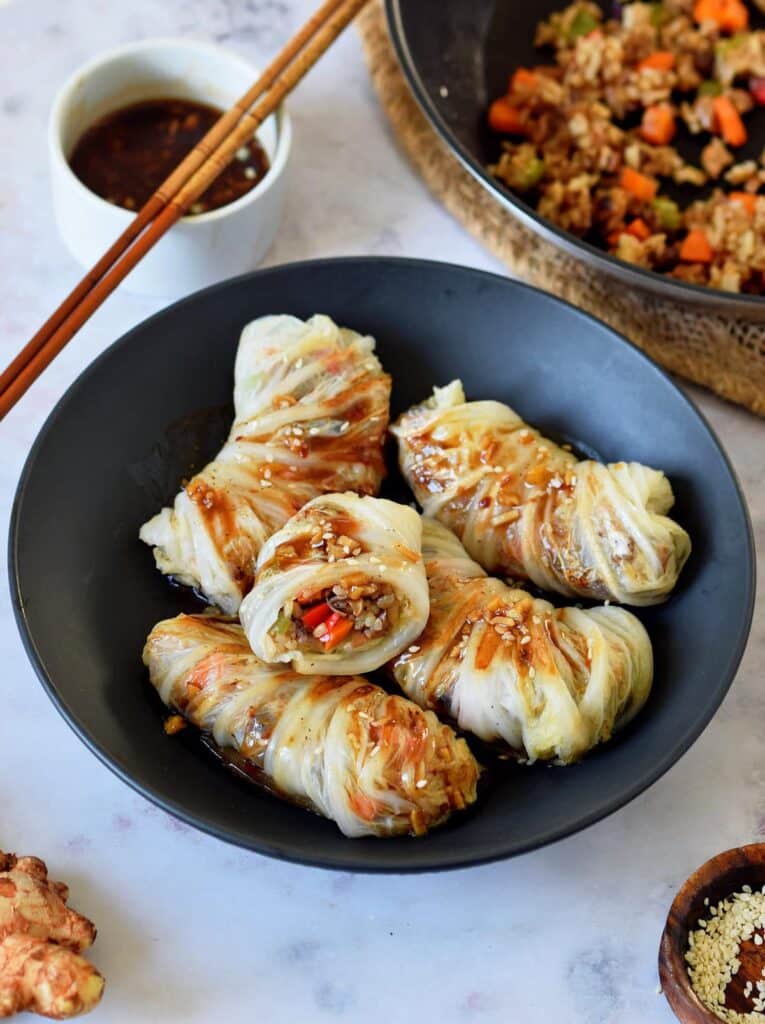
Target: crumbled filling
(345,617)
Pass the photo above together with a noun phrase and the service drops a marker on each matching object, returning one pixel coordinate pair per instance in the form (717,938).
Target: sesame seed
(243,153)
(250,173)
(713,954)
(413,649)
(421,783)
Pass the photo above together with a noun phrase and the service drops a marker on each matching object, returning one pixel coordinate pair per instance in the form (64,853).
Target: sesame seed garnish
(413,649)
(250,173)
(714,948)
(243,153)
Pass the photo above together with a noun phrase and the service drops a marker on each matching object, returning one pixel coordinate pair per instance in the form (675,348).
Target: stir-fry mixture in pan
(591,139)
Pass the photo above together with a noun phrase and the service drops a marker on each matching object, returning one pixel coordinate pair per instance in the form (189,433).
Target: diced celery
(531,174)
(282,625)
(710,88)
(581,24)
(668,213)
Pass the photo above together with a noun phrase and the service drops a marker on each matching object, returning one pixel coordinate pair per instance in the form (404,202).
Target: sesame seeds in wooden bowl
(713,945)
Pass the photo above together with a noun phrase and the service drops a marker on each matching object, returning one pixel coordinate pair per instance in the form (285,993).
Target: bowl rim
(669,289)
(447,862)
(283,126)
(673,973)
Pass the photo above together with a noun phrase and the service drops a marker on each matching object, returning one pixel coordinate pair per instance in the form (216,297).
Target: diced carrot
(338,628)
(728,121)
(729,15)
(658,124)
(506,118)
(639,229)
(695,247)
(637,184)
(745,199)
(522,78)
(313,616)
(662,60)
(363,805)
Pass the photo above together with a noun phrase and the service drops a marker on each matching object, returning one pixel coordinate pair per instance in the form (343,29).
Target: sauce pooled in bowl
(127,154)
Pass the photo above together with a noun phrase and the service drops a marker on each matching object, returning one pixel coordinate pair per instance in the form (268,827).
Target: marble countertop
(191,929)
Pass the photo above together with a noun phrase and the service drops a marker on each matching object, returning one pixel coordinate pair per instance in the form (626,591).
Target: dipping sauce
(126,155)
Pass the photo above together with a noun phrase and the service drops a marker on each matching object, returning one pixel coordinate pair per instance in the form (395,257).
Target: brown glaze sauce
(126,155)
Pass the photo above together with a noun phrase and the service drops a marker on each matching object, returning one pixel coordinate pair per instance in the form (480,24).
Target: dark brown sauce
(126,155)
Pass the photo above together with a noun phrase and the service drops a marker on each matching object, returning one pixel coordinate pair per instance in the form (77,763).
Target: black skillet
(457,56)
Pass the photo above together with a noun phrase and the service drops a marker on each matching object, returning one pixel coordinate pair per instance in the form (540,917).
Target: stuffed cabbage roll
(525,507)
(549,683)
(311,411)
(374,763)
(341,588)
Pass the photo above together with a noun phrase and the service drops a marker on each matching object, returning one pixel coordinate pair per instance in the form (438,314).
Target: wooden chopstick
(176,194)
(169,187)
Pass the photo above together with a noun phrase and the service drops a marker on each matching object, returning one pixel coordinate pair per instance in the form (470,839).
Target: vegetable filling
(347,616)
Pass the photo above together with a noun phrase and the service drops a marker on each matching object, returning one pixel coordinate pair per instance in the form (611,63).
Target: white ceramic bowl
(198,250)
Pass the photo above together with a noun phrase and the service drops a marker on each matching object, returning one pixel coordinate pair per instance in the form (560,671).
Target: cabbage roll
(527,508)
(311,411)
(547,683)
(341,588)
(374,763)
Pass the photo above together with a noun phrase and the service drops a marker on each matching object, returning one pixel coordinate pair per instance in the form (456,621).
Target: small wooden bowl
(720,877)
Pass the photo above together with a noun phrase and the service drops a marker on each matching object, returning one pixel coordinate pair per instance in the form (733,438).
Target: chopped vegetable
(661,60)
(313,616)
(523,79)
(506,118)
(282,625)
(659,15)
(531,174)
(729,121)
(637,184)
(745,199)
(639,229)
(710,88)
(338,628)
(658,124)
(757,89)
(695,247)
(582,24)
(667,212)
(728,15)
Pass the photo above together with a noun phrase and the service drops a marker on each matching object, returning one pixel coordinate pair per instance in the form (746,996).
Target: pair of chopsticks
(175,195)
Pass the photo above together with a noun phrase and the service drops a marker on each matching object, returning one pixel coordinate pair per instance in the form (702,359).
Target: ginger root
(40,942)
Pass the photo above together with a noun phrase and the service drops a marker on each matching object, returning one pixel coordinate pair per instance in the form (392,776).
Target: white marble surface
(191,929)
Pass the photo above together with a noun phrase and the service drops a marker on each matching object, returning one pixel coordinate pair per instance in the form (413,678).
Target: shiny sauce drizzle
(126,155)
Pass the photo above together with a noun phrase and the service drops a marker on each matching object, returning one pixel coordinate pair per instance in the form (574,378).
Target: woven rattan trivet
(719,352)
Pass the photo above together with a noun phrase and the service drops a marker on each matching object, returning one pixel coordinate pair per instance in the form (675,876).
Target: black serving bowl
(457,57)
(152,408)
